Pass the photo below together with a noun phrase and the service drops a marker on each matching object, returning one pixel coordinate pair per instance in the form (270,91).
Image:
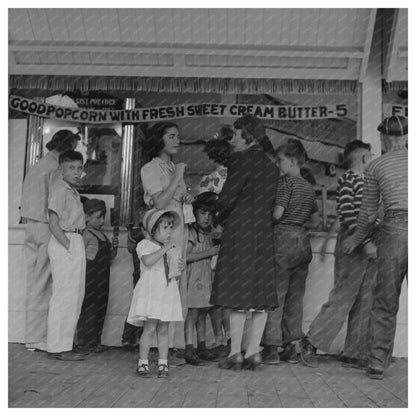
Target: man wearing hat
(386,177)
(34,207)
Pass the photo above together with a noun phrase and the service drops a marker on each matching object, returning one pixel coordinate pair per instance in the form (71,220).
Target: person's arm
(162,199)
(314,221)
(192,257)
(282,199)
(332,231)
(346,198)
(368,213)
(56,230)
(152,258)
(238,171)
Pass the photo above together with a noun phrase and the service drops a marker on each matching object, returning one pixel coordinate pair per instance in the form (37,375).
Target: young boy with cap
(67,257)
(99,254)
(354,275)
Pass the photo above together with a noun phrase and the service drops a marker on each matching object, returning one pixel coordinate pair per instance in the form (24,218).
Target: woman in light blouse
(164,186)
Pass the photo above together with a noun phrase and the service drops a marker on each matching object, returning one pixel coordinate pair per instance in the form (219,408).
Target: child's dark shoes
(207,355)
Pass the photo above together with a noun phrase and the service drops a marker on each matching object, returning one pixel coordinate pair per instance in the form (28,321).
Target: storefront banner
(395,110)
(266,112)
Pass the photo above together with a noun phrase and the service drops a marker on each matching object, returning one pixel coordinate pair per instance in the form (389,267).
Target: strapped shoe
(143,370)
(163,371)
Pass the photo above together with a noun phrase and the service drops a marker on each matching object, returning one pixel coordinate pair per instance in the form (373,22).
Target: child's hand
(214,251)
(115,242)
(169,245)
(188,198)
(181,265)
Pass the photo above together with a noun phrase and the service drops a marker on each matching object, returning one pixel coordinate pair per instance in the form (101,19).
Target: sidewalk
(109,380)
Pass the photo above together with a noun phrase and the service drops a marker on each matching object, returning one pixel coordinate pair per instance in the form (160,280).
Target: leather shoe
(252,362)
(191,358)
(270,355)
(289,354)
(235,362)
(307,353)
(375,374)
(66,356)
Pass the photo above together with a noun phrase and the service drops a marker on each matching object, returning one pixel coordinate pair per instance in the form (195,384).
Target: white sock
(143,362)
(162,362)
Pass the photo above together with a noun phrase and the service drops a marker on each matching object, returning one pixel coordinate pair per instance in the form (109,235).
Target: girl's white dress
(153,298)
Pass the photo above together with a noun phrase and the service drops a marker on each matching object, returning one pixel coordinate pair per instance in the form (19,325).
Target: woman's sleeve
(238,173)
(151,181)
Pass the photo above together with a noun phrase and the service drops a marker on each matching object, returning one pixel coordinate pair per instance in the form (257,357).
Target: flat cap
(393,126)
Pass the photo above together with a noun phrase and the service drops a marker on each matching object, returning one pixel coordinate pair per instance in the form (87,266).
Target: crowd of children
(81,254)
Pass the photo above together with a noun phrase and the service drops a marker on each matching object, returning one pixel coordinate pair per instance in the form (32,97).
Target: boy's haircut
(62,140)
(70,156)
(297,142)
(94,205)
(293,151)
(167,216)
(154,143)
(218,150)
(207,201)
(352,147)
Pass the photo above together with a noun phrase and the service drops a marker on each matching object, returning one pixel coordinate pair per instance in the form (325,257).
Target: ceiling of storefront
(233,43)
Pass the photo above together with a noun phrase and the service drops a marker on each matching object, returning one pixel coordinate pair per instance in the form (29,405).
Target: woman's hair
(245,134)
(154,143)
(266,145)
(226,132)
(62,140)
(166,217)
(293,151)
(218,150)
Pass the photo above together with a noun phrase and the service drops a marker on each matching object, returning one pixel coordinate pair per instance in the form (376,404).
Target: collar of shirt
(168,165)
(68,186)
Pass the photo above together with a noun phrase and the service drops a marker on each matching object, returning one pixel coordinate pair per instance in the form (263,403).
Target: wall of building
(318,286)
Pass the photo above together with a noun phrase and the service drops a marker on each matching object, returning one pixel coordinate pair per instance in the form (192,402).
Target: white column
(370,97)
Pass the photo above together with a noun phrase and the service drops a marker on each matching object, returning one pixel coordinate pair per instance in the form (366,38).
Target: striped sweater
(385,177)
(349,198)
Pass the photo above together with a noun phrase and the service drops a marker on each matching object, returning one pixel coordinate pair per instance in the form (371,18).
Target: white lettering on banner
(395,110)
(265,112)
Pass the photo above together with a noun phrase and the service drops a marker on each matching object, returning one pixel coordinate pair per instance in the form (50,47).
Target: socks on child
(146,362)
(162,362)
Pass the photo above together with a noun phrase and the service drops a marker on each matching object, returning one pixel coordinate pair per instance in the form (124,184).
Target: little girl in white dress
(156,300)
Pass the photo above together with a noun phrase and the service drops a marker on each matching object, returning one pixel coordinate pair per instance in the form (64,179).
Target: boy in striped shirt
(295,211)
(353,275)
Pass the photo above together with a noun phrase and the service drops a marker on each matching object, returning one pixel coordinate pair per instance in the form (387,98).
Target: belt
(75,231)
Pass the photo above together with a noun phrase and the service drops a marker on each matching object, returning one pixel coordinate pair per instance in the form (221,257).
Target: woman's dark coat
(245,274)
